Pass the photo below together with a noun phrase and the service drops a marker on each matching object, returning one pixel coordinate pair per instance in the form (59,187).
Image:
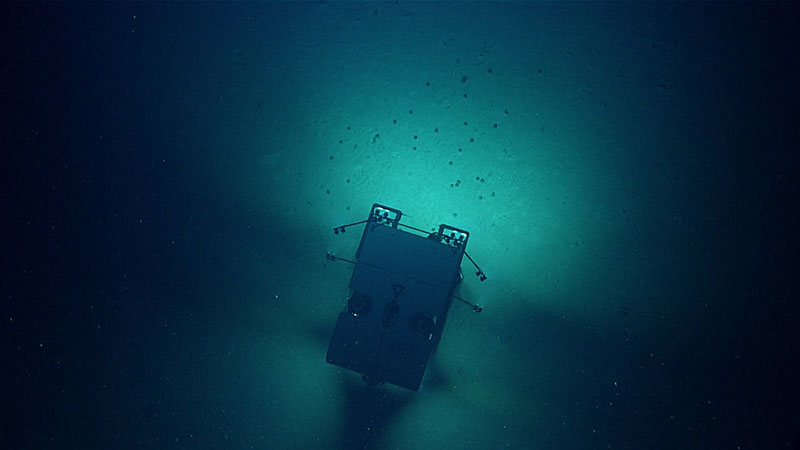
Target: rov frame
(403,283)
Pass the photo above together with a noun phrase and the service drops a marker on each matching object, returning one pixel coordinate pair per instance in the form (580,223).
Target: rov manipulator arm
(482,276)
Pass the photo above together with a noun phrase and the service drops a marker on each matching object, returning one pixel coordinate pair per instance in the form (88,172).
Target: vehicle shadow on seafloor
(369,412)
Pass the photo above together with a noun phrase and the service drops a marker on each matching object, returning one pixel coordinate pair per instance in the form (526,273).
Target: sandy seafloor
(625,170)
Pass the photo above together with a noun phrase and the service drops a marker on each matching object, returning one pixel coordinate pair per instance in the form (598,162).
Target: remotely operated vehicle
(404,280)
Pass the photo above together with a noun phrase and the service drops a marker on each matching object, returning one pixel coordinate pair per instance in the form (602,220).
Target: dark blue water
(172,173)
